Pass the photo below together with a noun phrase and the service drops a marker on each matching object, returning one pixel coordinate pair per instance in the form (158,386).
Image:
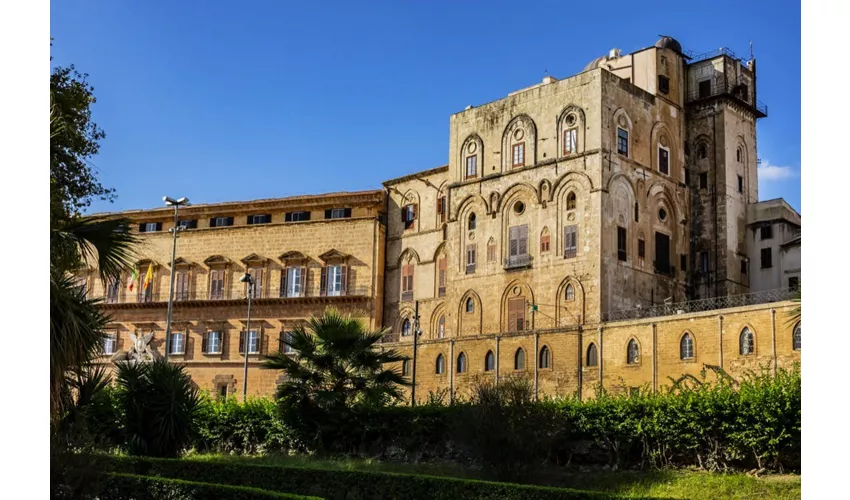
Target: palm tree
(337,363)
(796,314)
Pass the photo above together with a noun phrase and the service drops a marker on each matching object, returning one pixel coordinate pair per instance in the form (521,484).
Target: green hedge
(336,484)
(118,486)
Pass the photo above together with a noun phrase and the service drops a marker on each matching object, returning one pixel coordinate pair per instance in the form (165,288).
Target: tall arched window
(739,154)
(571,201)
(519,359)
(471,225)
(796,337)
(633,352)
(489,361)
(470,305)
(592,355)
(441,327)
(405,328)
(405,367)
(570,293)
(441,364)
(544,357)
(461,363)
(686,347)
(747,346)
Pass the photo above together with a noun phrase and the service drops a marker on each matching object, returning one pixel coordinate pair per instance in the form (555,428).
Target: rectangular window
(408,215)
(178,344)
(470,258)
(471,166)
(284,340)
(622,141)
(766,232)
(766,258)
(570,241)
(704,89)
(740,184)
(337,213)
(491,252)
(335,276)
(570,145)
(441,208)
(217,284)
(743,266)
(294,281)
(703,262)
(296,216)
(683,262)
(664,160)
(518,237)
(150,227)
(112,290)
(621,244)
(641,248)
(259,219)
(662,253)
(441,278)
(794,283)
(257,288)
(212,342)
(253,342)
(110,343)
(407,282)
(516,314)
(519,155)
(188,223)
(663,84)
(221,221)
(181,285)
(703,180)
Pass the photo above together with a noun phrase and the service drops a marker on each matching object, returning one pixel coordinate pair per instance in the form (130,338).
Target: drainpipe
(536,363)
(497,359)
(599,361)
(720,338)
(579,358)
(773,332)
(654,358)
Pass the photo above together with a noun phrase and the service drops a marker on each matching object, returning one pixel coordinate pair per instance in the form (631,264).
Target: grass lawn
(670,484)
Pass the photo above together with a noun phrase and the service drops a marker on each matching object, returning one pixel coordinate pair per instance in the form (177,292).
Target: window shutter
(323,282)
(142,227)
(159,226)
(287,217)
(303,282)
(230,221)
(249,219)
(268,217)
(404,214)
(347,212)
(283,273)
(242,342)
(415,207)
(328,213)
(212,222)
(344,285)
(193,224)
(440,205)
(523,240)
(205,342)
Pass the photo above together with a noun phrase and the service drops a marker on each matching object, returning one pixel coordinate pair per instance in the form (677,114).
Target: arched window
(571,201)
(405,328)
(441,364)
(544,240)
(519,359)
(739,154)
(471,224)
(441,327)
(544,357)
(796,337)
(702,151)
(592,356)
(461,363)
(570,293)
(746,342)
(686,347)
(633,352)
(470,305)
(405,367)
(489,361)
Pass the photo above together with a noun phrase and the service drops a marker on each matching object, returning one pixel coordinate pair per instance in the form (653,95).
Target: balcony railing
(723,88)
(206,295)
(570,253)
(470,269)
(518,261)
(406,296)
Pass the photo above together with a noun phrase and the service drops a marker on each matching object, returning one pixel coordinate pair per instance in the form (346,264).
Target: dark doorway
(662,253)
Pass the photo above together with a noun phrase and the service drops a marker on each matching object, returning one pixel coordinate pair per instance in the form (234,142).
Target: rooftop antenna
(751,50)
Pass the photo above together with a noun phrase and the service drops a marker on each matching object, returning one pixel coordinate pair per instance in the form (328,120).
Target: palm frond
(106,241)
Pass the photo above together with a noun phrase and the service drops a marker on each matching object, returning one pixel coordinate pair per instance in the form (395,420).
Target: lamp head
(246,278)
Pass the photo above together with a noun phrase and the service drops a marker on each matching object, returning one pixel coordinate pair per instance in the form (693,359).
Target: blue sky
(222,101)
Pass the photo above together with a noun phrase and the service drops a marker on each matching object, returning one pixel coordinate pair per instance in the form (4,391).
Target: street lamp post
(171,202)
(247,278)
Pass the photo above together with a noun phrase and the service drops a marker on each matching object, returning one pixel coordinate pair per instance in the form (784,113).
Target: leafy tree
(337,367)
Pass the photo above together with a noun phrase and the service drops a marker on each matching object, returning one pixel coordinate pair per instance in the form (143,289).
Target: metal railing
(407,296)
(516,261)
(570,253)
(722,51)
(699,305)
(725,89)
(206,295)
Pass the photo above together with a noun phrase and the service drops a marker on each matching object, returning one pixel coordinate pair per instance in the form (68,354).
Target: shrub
(158,403)
(228,426)
(118,486)
(349,485)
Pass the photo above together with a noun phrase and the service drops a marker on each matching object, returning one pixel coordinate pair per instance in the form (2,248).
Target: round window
(571,119)
(519,207)
(662,214)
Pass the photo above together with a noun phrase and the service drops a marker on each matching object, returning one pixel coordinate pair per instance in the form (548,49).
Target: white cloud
(768,172)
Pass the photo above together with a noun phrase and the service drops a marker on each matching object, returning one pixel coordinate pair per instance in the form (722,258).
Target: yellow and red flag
(148,277)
